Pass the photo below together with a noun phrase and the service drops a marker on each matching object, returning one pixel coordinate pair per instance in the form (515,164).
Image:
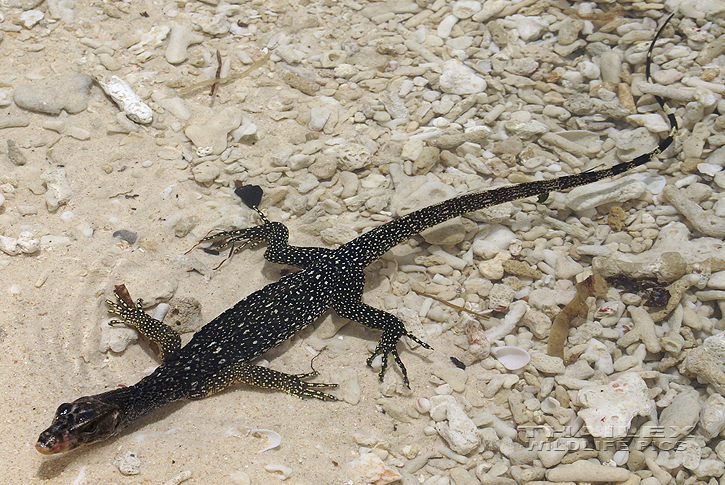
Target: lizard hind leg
(392,327)
(254,375)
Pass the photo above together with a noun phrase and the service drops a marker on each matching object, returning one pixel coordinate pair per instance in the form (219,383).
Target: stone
(586,471)
(205,173)
(426,160)
(324,167)
(678,419)
(446,234)
(353,156)
(15,156)
(537,322)
(566,268)
(333,58)
(184,315)
(446,26)
(717,281)
(611,67)
(709,468)
(215,25)
(213,133)
(500,297)
(452,375)
(182,36)
(70,94)
(644,331)
(569,30)
(458,430)
(431,191)
(26,243)
(116,338)
(460,79)
(489,9)
(704,221)
(67,129)
(712,416)
(529,28)
(318,118)
(59,192)
(547,364)
(174,105)
(13,122)
(707,362)
(464,9)
(605,192)
(126,99)
(609,409)
(654,122)
(31,17)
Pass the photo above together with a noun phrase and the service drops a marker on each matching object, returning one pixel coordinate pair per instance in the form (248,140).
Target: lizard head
(81,422)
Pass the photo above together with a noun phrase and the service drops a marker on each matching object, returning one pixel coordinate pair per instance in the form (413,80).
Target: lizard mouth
(49,444)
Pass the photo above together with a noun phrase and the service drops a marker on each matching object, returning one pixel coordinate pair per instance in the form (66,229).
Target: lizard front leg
(254,375)
(276,235)
(132,314)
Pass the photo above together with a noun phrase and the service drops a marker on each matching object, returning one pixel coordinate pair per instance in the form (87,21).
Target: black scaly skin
(220,353)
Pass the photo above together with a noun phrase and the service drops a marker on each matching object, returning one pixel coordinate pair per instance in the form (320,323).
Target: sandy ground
(52,301)
(50,338)
(52,307)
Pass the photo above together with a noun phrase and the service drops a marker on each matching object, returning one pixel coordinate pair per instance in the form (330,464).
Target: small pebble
(14,153)
(125,235)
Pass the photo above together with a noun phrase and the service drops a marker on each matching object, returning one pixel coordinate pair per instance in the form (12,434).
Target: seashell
(284,471)
(513,358)
(274,438)
(620,457)
(422,405)
(549,405)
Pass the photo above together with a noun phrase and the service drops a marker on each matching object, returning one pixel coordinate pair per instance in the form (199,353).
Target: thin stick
(447,303)
(225,80)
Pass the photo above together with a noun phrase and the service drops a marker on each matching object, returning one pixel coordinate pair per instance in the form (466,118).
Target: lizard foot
(297,387)
(249,236)
(237,240)
(388,345)
(132,316)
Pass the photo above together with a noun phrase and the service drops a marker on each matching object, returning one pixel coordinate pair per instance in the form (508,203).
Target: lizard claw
(129,315)
(388,345)
(247,236)
(237,240)
(297,387)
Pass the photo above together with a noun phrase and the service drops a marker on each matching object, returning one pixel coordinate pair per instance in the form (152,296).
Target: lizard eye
(63,409)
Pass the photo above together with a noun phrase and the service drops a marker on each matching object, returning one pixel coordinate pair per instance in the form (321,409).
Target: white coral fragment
(608,409)
(59,192)
(26,243)
(372,469)
(129,102)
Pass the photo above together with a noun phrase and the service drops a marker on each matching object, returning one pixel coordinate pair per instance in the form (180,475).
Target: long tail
(376,242)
